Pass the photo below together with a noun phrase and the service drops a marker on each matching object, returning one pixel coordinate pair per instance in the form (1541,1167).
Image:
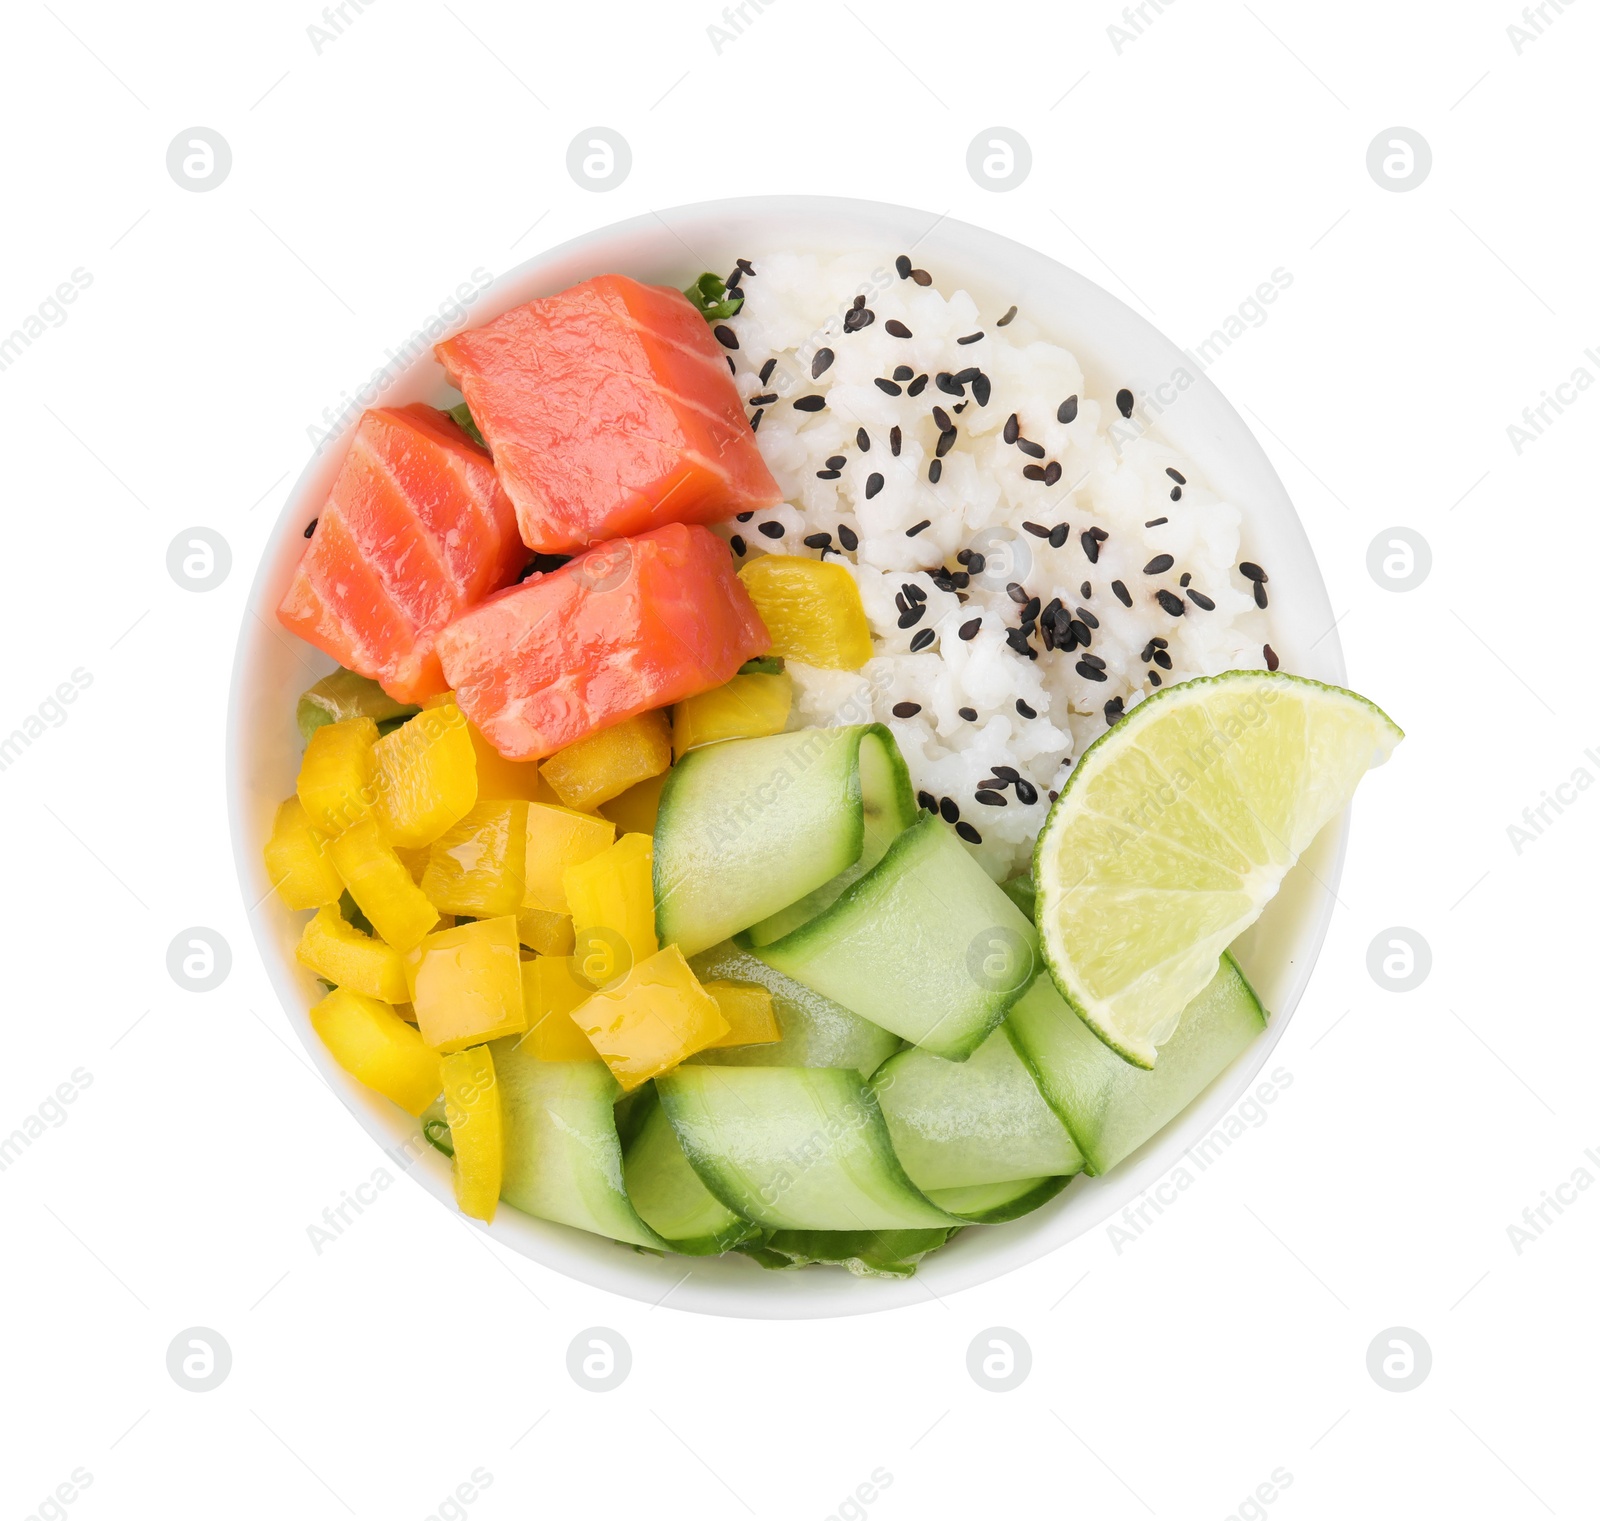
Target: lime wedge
(1176,828)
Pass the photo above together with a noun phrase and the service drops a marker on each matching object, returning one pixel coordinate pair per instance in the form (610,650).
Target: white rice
(794,305)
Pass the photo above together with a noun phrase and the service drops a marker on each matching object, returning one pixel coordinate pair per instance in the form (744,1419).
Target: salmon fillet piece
(610,410)
(415,530)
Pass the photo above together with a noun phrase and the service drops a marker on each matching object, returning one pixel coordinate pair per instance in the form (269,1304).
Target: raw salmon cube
(610,410)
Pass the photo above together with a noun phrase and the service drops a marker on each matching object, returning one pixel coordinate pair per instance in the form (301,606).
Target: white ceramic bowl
(1116,347)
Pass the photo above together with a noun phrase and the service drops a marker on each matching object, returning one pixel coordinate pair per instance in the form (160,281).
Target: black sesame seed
(968,833)
(809,403)
(858,303)
(1159,566)
(1089,672)
(858,317)
(1125,402)
(874,485)
(981,390)
(903,372)
(1025,710)
(888,387)
(1271,656)
(941,419)
(948,810)
(1052,473)
(1030,610)
(771,530)
(738,545)
(1015,591)
(733,369)
(1095,661)
(1251,571)
(1087,590)
(1058,534)
(917,386)
(835,462)
(929,801)
(1177,493)
(921,639)
(902,267)
(1068,410)
(1091,546)
(947,383)
(1011,312)
(1170,603)
(1181,480)
(1031,449)
(917,528)
(1155,522)
(1018,640)
(1261,593)
(1054,795)
(772,364)
(935,470)
(974,562)
(725,336)
(1011,431)
(1185,579)
(1037,530)
(1155,678)
(847,537)
(818,541)
(894,440)
(970,714)
(1087,617)
(755,421)
(1027,793)
(970,338)
(1100,534)
(968,375)
(906,709)
(969,629)
(1161,658)
(946,442)
(746,266)
(990,799)
(914,593)
(743,517)
(1202,601)
(1033,472)
(922,277)
(766,398)
(1080,632)
(828,475)
(1113,710)
(895,328)
(1122,593)
(311,528)
(819,362)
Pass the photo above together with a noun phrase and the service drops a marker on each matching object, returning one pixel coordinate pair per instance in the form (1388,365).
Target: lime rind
(1174,887)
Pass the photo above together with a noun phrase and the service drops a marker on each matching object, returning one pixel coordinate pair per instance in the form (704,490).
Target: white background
(1169,1378)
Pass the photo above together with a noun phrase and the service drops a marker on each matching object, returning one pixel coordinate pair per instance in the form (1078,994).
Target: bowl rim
(740,1288)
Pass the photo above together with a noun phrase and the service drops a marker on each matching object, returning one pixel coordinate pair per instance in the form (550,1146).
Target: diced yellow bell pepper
(635,811)
(414,861)
(467,984)
(550,993)
(606,764)
(651,1020)
(427,777)
(476,866)
(497,776)
(334,948)
(297,859)
(337,774)
(748,1011)
(376,1047)
(477,1130)
(548,934)
(558,838)
(612,898)
(747,707)
(381,885)
(812,609)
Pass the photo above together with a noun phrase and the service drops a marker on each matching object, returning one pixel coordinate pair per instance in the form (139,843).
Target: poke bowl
(1028,434)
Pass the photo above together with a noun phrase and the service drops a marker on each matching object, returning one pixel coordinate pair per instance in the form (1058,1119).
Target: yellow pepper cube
(297,859)
(497,776)
(748,1011)
(477,1129)
(382,887)
(612,898)
(467,984)
(635,811)
(427,777)
(651,1020)
(548,934)
(606,764)
(376,1047)
(550,993)
(558,838)
(476,866)
(337,782)
(747,707)
(334,948)
(812,609)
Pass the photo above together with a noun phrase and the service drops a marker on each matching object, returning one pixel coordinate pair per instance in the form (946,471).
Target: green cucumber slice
(793,1148)
(1111,1107)
(925,945)
(669,1196)
(1022,890)
(959,1124)
(342,694)
(749,826)
(868,1254)
(563,1161)
(995,1203)
(816,1031)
